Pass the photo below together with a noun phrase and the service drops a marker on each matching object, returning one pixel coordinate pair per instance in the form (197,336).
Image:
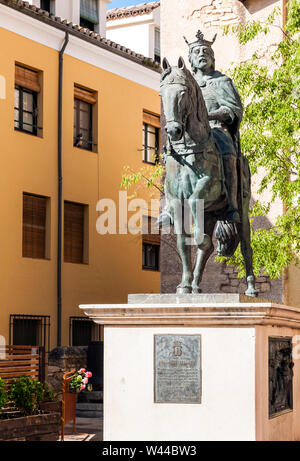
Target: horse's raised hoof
(251,290)
(183,290)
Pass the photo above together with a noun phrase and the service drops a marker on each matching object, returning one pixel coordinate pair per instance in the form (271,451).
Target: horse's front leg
(185,256)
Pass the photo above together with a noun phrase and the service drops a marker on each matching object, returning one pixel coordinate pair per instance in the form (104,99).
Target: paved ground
(87,429)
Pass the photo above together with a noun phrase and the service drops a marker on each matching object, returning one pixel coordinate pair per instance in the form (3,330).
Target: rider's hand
(223,114)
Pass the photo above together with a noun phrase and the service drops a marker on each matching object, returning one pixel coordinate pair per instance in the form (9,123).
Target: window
(76,233)
(36,211)
(82,331)
(150,257)
(84,102)
(27,89)
(45,5)
(30,330)
(151,244)
(48,5)
(157,45)
(89,14)
(151,134)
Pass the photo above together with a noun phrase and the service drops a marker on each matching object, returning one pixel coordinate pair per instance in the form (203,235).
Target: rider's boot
(230,172)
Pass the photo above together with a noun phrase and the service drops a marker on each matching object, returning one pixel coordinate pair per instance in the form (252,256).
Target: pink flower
(88,374)
(82,370)
(85,380)
(82,387)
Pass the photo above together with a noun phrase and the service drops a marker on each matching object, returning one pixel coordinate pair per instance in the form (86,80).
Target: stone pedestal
(230,355)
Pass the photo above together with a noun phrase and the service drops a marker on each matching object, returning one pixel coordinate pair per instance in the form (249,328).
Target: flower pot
(44,427)
(53,406)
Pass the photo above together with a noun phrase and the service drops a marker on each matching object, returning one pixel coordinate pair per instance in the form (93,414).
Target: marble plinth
(234,333)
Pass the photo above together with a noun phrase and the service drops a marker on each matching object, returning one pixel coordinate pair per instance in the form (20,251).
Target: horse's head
(179,97)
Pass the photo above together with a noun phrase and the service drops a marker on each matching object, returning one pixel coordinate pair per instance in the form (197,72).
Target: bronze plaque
(280,375)
(177,368)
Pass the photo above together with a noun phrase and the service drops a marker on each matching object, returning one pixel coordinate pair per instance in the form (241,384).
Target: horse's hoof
(196,290)
(251,291)
(183,290)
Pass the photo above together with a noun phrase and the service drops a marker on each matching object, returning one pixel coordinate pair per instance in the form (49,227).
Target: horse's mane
(183,76)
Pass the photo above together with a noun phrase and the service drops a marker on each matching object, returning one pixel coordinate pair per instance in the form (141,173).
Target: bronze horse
(194,171)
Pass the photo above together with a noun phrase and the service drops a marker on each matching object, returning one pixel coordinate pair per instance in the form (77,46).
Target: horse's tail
(228,238)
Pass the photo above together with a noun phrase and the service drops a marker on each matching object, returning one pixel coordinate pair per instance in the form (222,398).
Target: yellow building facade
(122,86)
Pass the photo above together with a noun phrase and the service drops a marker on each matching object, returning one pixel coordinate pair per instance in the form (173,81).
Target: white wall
(227,411)
(137,32)
(135,37)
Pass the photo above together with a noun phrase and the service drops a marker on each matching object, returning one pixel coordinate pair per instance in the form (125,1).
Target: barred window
(83,330)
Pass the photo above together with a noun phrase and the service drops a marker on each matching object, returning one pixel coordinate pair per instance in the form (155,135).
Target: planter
(54,406)
(43,427)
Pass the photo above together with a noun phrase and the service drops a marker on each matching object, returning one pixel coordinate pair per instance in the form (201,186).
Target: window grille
(29,330)
(83,330)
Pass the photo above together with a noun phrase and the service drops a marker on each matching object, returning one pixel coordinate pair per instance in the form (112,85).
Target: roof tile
(85,34)
(134,10)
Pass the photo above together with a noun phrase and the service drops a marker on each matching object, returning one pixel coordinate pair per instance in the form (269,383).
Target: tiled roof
(135,10)
(80,32)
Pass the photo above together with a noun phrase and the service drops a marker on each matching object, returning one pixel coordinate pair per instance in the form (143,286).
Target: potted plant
(30,423)
(79,380)
(3,395)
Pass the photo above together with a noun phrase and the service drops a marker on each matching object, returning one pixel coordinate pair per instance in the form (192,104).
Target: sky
(120,3)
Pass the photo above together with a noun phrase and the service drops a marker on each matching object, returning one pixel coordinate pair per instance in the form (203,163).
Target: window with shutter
(151,138)
(34,226)
(74,233)
(151,244)
(27,89)
(157,45)
(84,102)
(89,14)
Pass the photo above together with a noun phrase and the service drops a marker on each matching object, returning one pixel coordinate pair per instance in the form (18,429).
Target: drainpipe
(59,207)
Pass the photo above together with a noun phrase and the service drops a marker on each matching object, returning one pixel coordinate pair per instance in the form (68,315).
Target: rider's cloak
(219,91)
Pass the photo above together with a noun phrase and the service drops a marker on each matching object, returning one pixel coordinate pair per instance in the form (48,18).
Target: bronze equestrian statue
(204,161)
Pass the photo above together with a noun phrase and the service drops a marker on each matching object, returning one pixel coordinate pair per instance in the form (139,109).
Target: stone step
(89,414)
(89,406)
(90,396)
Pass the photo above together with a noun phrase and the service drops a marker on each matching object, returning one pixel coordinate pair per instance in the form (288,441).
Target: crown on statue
(200,41)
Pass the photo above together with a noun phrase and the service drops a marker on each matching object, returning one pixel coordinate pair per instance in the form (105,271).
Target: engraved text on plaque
(177,368)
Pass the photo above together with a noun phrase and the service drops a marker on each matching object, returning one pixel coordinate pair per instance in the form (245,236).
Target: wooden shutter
(73,232)
(150,119)
(152,239)
(84,95)
(34,226)
(27,78)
